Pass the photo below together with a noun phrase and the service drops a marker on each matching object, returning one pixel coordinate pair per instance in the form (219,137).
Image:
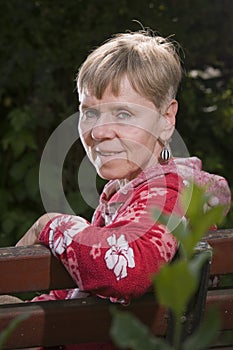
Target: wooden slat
(34,268)
(222,299)
(31,269)
(82,320)
(224,341)
(222,243)
(90,318)
(39,270)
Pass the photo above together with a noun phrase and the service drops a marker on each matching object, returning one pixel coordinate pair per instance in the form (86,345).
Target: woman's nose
(103,130)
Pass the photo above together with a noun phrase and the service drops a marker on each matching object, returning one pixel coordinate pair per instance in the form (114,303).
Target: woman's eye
(124,115)
(90,114)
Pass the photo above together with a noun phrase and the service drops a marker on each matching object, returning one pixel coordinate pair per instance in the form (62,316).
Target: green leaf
(189,233)
(201,217)
(173,222)
(196,263)
(206,332)
(213,216)
(128,332)
(20,118)
(175,284)
(18,142)
(192,199)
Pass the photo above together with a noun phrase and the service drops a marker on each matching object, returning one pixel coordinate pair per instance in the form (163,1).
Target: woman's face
(120,133)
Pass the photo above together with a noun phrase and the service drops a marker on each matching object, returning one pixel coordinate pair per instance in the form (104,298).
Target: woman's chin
(118,170)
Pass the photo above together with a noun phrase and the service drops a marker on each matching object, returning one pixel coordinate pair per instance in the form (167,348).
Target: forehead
(126,94)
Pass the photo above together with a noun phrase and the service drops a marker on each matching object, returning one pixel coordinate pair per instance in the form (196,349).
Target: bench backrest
(84,320)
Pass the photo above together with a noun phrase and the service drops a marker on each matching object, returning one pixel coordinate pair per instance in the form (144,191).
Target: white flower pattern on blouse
(154,192)
(119,256)
(68,226)
(96,250)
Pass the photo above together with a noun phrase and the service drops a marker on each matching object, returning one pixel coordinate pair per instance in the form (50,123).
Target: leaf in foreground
(206,333)
(174,285)
(128,332)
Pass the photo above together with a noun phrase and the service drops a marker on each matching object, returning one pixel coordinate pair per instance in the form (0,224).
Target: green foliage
(136,335)
(180,295)
(176,283)
(203,337)
(182,276)
(129,333)
(42,44)
(194,201)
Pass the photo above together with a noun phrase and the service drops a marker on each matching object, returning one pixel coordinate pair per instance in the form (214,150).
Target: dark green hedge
(42,44)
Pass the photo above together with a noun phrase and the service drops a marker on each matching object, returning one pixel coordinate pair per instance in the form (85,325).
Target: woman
(127,89)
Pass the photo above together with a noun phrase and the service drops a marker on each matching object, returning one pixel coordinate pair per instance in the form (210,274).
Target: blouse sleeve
(117,260)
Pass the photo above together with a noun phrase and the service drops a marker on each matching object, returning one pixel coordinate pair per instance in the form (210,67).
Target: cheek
(85,137)
(142,149)
(141,139)
(84,130)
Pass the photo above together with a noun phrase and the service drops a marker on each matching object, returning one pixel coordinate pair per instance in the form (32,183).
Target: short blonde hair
(150,62)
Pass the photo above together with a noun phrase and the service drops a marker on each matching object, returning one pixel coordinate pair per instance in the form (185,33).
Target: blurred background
(43,43)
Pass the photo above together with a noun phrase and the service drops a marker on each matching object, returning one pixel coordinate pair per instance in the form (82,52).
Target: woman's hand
(9,299)
(31,236)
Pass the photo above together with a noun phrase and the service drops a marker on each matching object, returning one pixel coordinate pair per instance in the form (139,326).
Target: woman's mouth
(108,153)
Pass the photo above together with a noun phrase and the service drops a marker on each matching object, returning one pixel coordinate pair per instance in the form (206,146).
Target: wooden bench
(24,269)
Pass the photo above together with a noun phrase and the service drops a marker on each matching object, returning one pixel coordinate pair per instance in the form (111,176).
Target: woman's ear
(171,111)
(168,120)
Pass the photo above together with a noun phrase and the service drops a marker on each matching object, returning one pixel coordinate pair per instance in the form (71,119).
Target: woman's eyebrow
(114,106)
(123,105)
(83,106)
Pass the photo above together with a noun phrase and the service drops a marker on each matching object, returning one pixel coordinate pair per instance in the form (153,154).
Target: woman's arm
(31,236)
(117,260)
